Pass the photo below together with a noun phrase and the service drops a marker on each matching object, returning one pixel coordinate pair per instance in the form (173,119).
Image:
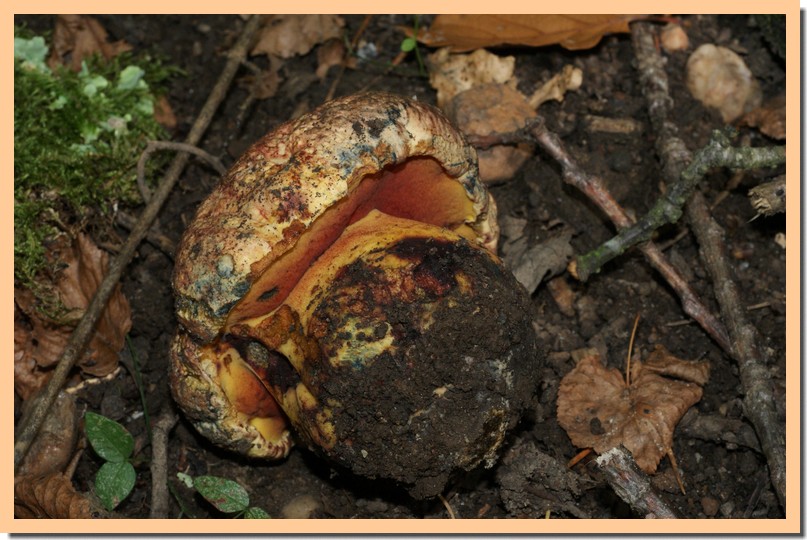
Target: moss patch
(77,138)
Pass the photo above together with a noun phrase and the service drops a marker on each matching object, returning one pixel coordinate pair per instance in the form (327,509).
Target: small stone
(710,506)
(674,38)
(727,509)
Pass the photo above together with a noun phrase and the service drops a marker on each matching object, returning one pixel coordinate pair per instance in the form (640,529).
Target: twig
(159,464)
(153,237)
(343,64)
(448,506)
(632,485)
(758,402)
(594,188)
(84,331)
(668,209)
(153,146)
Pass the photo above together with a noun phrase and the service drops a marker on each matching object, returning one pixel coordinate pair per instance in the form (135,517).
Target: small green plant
(115,479)
(225,495)
(410,43)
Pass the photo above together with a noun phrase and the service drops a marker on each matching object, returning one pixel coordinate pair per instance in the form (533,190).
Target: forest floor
(722,479)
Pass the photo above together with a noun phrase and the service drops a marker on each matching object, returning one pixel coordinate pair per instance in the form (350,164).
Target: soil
(722,479)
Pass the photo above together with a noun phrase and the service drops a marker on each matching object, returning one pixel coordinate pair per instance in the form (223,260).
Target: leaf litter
(599,409)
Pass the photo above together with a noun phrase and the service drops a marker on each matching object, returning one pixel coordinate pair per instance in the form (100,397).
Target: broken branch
(669,207)
(758,402)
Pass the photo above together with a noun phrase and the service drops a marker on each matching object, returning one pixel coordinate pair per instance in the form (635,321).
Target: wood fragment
(632,485)
(769,198)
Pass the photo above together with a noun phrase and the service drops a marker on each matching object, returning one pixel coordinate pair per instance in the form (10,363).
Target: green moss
(77,139)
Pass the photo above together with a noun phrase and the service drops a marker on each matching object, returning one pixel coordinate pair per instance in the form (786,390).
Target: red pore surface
(418,189)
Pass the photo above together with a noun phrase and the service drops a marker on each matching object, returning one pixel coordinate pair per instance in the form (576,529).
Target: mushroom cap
(306,181)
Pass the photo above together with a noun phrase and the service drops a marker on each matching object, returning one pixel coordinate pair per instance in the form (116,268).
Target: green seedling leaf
(226,495)
(114,482)
(253,512)
(185,479)
(31,51)
(130,77)
(109,439)
(408,44)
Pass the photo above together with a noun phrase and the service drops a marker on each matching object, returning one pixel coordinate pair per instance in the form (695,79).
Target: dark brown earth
(722,479)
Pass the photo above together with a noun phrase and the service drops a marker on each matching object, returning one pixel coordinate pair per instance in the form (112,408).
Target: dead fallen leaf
(490,109)
(599,410)
(574,32)
(329,54)
(290,35)
(49,497)
(563,295)
(164,114)
(264,83)
(718,77)
(82,36)
(39,340)
(53,446)
(451,74)
(570,78)
(543,260)
(770,118)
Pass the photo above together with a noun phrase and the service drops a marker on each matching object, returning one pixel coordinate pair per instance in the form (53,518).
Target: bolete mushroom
(342,280)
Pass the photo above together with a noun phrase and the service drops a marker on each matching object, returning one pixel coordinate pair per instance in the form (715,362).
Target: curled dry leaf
(81,37)
(329,54)
(569,78)
(574,32)
(50,496)
(53,446)
(451,74)
(39,340)
(290,35)
(770,118)
(489,109)
(600,410)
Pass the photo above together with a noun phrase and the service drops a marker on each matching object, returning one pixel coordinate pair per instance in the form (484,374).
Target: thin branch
(85,329)
(758,402)
(594,188)
(153,146)
(160,498)
(632,485)
(669,207)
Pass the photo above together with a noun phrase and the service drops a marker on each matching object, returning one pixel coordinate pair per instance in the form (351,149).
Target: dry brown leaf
(49,497)
(164,113)
(39,340)
(574,32)
(82,36)
(329,54)
(599,410)
(489,109)
(53,446)
(289,35)
(451,74)
(770,118)
(570,78)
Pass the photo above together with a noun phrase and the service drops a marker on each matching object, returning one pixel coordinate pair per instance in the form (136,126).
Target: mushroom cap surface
(290,178)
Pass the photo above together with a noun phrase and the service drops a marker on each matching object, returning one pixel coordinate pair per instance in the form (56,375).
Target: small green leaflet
(109,439)
(227,496)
